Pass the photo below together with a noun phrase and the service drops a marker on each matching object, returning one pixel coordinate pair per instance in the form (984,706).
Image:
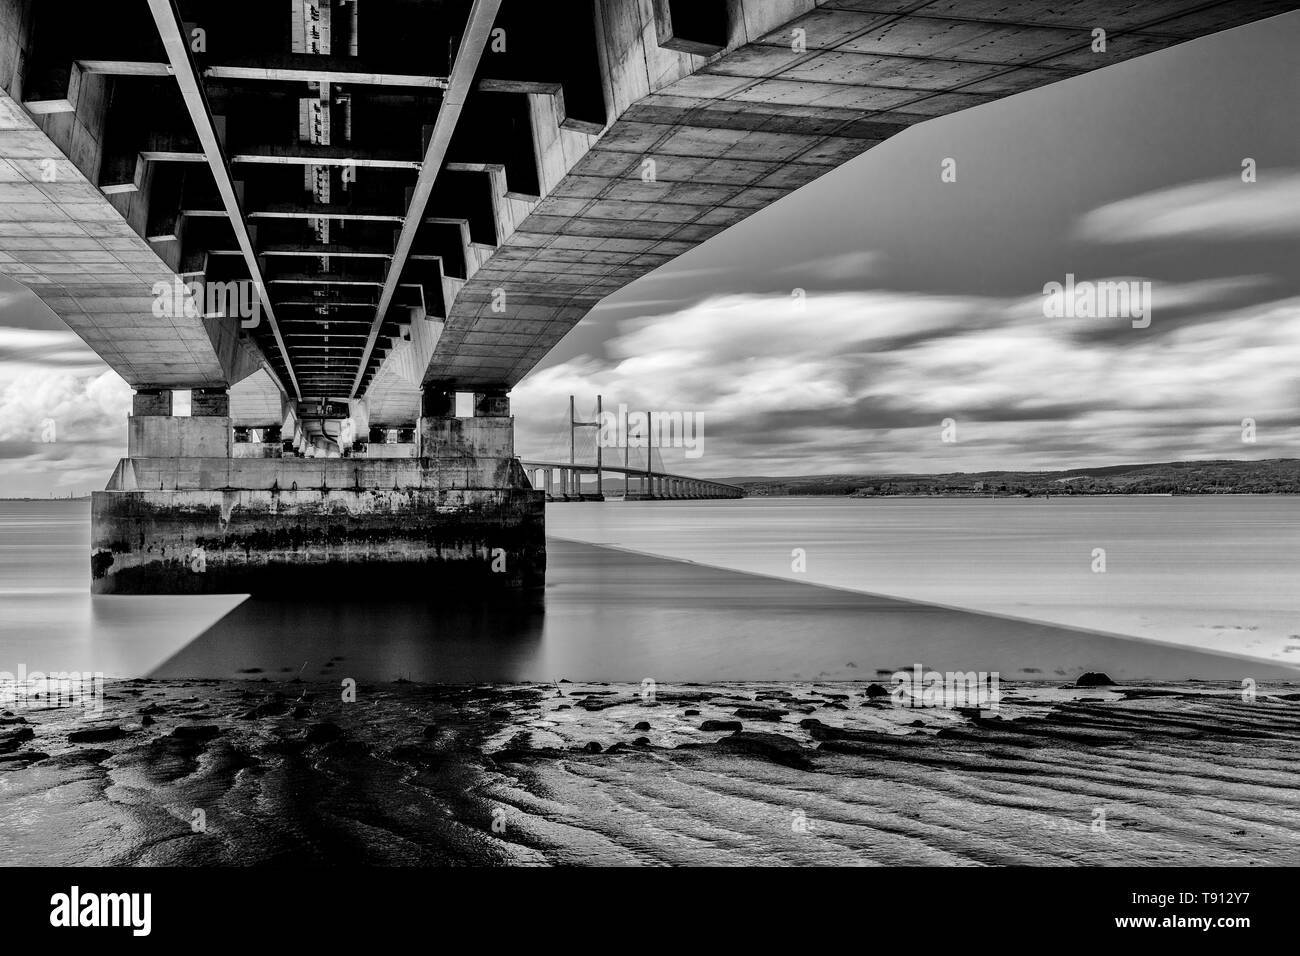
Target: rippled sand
(535,774)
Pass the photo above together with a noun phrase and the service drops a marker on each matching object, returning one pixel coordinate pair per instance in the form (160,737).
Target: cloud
(861,381)
(60,429)
(45,347)
(85,407)
(1216,209)
(859,264)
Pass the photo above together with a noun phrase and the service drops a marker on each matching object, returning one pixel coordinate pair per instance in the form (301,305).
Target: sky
(921,314)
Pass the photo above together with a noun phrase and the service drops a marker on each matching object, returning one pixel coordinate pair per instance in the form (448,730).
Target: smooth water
(900,580)
(1219,572)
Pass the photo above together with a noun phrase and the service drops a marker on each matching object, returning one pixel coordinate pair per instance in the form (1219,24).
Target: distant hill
(1275,476)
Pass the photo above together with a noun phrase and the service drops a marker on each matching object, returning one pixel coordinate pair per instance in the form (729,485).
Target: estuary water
(757,589)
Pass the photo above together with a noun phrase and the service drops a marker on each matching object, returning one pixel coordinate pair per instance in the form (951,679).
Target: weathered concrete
(257,449)
(372,542)
(63,239)
(220,525)
(190,511)
(455,472)
(151,401)
(469,437)
(157,436)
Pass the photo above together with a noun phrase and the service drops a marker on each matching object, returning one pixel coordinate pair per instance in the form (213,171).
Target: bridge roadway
(562,481)
(423,197)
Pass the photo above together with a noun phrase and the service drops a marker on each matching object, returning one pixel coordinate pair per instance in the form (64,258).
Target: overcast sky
(923,299)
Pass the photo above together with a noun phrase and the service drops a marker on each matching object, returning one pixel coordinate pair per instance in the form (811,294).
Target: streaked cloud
(862,381)
(1214,209)
(859,264)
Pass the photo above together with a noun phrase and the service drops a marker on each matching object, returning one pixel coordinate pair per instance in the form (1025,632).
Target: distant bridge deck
(563,481)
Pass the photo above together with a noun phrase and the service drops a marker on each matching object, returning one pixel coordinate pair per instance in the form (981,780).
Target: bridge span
(372,207)
(577,480)
(563,481)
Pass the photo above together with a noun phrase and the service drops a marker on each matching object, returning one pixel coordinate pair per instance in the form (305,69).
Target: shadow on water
(612,615)
(460,640)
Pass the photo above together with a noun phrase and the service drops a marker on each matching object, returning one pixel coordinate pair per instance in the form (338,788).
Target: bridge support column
(154,432)
(180,515)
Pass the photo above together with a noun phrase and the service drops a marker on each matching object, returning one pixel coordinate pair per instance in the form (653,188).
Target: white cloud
(1221,208)
(84,413)
(860,264)
(861,381)
(44,347)
(85,407)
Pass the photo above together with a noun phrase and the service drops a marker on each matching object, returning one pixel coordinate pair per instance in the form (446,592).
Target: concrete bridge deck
(562,481)
(422,197)
(417,220)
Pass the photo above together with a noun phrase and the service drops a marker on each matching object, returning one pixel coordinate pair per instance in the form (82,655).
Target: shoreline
(726,773)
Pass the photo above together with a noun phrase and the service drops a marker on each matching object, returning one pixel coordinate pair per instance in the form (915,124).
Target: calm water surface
(1218,572)
(954,583)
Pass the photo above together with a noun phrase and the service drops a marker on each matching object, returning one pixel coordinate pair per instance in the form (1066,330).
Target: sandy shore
(250,772)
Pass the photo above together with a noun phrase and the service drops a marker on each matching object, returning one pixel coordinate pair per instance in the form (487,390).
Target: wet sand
(817,773)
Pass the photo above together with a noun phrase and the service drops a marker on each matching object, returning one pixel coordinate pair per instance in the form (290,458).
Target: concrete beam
(310,68)
(320,154)
(323,211)
(481,17)
(175,41)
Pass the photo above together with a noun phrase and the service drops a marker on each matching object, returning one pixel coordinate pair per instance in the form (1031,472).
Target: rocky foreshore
(253,772)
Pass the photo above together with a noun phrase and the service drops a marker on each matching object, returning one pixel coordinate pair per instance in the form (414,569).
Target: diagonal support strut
(168,20)
(477,31)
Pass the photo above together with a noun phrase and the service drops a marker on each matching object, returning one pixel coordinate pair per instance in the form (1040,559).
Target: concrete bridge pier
(181,514)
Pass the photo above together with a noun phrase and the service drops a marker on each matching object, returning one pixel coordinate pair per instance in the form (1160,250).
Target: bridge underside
(383,203)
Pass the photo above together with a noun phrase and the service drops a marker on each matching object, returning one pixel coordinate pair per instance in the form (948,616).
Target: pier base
(331,542)
(178,519)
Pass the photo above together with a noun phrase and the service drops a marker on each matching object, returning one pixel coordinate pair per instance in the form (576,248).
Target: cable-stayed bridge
(602,446)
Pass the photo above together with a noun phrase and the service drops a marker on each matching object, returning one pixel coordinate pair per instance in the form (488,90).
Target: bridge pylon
(563,481)
(573,490)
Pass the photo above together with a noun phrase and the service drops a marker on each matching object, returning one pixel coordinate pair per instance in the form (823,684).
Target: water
(956,584)
(1217,572)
